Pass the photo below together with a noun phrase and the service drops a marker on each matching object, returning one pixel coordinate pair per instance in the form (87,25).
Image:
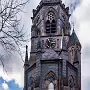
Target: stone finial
(26,56)
(26,47)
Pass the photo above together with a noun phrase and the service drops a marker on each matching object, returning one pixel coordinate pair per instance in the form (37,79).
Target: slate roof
(73,40)
(50,54)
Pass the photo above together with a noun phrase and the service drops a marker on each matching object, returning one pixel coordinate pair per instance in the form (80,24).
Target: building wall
(46,69)
(57,65)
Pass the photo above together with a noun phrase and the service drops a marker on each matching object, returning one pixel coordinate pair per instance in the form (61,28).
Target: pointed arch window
(50,23)
(51,81)
(53,26)
(48,26)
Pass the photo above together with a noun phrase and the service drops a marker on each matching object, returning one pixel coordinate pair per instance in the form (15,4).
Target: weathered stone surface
(50,54)
(55,62)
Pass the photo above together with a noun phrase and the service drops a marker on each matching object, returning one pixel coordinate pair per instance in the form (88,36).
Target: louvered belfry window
(50,23)
(48,26)
(53,26)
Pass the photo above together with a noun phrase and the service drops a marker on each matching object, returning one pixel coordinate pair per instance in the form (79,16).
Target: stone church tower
(55,57)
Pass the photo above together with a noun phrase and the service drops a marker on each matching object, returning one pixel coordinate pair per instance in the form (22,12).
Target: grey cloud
(86,52)
(12,63)
(86,83)
(85,14)
(72,4)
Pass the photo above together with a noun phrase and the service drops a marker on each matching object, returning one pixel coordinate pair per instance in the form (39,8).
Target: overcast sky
(80,17)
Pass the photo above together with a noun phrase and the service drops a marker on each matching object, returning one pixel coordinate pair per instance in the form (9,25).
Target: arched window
(51,81)
(51,86)
(53,26)
(48,26)
(50,23)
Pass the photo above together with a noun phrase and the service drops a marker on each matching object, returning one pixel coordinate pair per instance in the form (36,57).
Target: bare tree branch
(11,35)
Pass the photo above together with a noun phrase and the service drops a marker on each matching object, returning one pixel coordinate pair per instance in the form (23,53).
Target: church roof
(73,40)
(50,54)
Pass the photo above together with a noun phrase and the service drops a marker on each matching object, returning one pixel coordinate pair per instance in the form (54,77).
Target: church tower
(55,57)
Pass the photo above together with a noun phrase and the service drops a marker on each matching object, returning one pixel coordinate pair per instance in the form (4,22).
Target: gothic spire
(26,57)
(73,40)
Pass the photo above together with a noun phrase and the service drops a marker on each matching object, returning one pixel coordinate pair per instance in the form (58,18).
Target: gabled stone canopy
(50,54)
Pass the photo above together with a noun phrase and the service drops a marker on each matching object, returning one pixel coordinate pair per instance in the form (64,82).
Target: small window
(72,52)
(57,43)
